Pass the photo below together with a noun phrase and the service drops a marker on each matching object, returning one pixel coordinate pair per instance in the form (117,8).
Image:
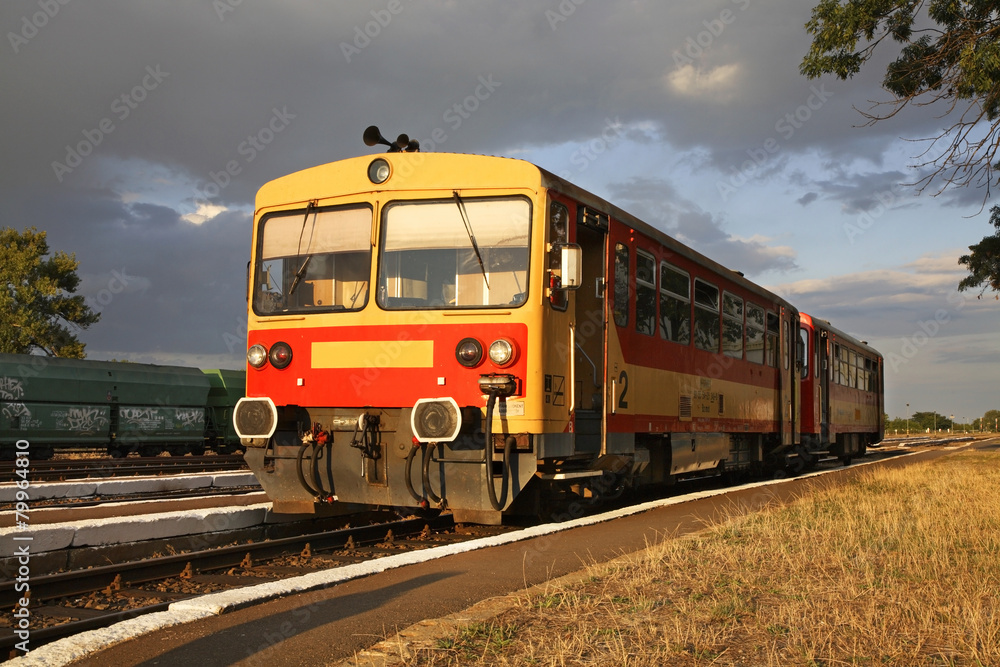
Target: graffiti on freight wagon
(85,420)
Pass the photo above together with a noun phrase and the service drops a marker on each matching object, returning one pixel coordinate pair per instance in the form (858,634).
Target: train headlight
(436,420)
(469,352)
(379,171)
(257,355)
(502,352)
(280,355)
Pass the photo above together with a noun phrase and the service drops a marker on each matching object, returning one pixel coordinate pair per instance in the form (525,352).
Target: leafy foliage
(984,260)
(37,306)
(988,420)
(950,53)
(949,57)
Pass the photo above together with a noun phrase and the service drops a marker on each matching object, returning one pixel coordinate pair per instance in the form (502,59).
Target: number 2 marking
(623,378)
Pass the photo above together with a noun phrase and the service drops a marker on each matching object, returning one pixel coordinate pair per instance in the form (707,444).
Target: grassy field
(900,567)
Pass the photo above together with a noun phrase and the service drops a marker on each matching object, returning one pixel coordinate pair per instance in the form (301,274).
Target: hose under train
(427,458)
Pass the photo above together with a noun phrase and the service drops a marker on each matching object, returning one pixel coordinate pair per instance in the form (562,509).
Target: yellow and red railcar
(476,333)
(843,409)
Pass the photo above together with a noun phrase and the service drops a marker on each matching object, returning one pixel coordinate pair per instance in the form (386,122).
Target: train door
(789,378)
(825,370)
(588,324)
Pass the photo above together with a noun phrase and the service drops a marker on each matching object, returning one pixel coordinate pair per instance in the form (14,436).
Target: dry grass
(901,567)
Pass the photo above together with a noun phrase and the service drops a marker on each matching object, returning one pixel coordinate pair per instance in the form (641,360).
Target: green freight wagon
(227,387)
(122,407)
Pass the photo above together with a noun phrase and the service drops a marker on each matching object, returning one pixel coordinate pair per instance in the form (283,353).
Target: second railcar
(843,385)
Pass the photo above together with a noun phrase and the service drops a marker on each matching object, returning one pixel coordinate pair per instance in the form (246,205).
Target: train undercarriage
(321,460)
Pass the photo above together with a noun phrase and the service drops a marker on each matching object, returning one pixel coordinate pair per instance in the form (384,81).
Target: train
(474,333)
(116,407)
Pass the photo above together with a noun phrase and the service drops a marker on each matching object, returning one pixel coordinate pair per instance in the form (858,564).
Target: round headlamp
(257,355)
(469,352)
(501,352)
(379,171)
(280,355)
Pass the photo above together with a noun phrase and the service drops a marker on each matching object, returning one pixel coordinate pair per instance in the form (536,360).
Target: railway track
(71,469)
(68,603)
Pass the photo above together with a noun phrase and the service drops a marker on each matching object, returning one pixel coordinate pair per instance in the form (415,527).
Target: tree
(984,260)
(37,309)
(921,421)
(988,421)
(951,56)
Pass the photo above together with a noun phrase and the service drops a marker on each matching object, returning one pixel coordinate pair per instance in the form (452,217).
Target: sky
(136,134)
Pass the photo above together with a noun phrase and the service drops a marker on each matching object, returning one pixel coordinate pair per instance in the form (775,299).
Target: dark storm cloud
(807,198)
(123,119)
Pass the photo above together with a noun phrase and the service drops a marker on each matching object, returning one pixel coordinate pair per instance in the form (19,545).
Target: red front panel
(391,366)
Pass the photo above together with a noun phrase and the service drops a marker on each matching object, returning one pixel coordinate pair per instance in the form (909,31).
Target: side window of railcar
(706,316)
(621,285)
(862,373)
(755,333)
(842,361)
(804,351)
(645,293)
(772,340)
(675,304)
(787,341)
(558,234)
(732,325)
(852,369)
(817,341)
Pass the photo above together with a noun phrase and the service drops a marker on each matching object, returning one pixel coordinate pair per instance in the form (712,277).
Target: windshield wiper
(472,237)
(302,269)
(298,275)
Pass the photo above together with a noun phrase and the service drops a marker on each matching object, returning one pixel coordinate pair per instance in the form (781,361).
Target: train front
(394,303)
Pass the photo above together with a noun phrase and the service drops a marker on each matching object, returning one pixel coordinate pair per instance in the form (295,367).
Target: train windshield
(312,260)
(459,253)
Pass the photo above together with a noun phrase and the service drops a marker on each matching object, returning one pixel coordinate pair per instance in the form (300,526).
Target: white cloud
(718,83)
(205,211)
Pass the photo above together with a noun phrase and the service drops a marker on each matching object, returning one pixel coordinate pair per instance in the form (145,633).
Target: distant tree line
(921,422)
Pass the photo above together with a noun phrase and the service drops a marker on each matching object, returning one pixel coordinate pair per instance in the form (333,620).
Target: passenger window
(706,316)
(772,340)
(755,334)
(675,304)
(804,351)
(844,362)
(787,343)
(732,325)
(645,293)
(621,300)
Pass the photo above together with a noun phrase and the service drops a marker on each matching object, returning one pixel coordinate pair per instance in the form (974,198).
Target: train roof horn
(373,136)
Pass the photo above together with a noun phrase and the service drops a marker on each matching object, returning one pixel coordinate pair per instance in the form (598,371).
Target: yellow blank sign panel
(373,353)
